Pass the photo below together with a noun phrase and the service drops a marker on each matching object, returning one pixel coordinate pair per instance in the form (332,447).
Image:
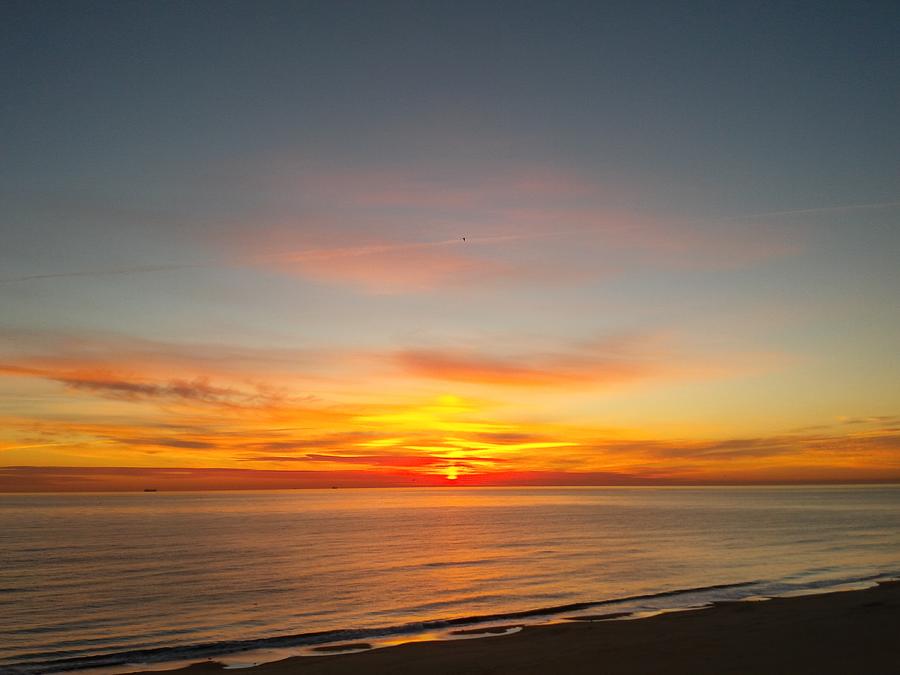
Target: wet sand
(850,633)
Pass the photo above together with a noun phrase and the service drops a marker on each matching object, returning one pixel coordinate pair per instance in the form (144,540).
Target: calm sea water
(87,580)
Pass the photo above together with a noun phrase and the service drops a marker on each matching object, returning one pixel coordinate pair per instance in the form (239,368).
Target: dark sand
(850,633)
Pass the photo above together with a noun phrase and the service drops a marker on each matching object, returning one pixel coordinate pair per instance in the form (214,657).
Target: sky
(312,244)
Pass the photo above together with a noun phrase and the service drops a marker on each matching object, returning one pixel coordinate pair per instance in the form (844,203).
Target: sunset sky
(232,255)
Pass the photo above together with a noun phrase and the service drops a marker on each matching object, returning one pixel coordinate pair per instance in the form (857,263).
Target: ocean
(120,580)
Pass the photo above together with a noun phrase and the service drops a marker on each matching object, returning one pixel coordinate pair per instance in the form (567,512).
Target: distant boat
(150,490)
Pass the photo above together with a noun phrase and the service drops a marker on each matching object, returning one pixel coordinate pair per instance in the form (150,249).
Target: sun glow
(446,413)
(152,416)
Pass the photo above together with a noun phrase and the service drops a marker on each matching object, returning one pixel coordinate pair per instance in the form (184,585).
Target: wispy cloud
(323,232)
(363,229)
(95,353)
(388,270)
(535,371)
(119,368)
(330,254)
(602,362)
(198,390)
(171,443)
(386,460)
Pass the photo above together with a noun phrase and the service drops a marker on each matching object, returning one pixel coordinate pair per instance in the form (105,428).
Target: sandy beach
(845,632)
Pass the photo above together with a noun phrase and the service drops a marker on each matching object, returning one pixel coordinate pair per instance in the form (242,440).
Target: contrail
(98,273)
(822,209)
(298,256)
(352,251)
(374,249)
(27,447)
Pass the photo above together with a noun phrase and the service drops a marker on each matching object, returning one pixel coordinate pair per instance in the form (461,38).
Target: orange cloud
(601,362)
(868,456)
(389,460)
(172,411)
(538,372)
(413,444)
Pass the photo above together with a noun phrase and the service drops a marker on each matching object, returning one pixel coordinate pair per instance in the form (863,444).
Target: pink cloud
(388,231)
(96,354)
(397,268)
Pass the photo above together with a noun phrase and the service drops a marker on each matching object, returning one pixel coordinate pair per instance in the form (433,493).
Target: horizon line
(455,485)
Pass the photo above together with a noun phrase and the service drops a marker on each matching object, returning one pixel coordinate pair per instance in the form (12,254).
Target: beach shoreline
(833,632)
